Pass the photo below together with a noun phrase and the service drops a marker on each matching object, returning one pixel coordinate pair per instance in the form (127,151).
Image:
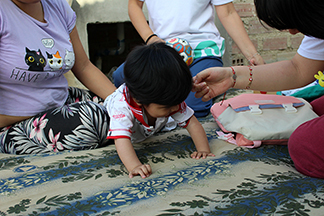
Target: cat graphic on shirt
(55,61)
(35,60)
(69,59)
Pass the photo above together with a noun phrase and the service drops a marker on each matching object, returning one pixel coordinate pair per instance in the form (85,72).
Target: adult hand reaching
(212,82)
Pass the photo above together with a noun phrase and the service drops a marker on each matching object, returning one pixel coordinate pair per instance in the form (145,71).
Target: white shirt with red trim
(127,119)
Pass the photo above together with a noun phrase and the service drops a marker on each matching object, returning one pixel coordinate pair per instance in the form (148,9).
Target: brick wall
(273,45)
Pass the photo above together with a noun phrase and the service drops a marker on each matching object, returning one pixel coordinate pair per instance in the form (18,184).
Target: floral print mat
(237,181)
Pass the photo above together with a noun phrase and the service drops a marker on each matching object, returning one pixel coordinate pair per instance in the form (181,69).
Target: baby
(157,81)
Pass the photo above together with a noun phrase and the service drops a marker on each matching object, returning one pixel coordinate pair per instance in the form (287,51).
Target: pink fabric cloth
(306,144)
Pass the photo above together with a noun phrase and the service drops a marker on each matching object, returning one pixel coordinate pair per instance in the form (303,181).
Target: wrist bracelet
(152,35)
(250,79)
(234,77)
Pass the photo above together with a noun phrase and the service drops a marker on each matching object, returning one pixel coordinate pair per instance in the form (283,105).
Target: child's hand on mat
(142,170)
(200,154)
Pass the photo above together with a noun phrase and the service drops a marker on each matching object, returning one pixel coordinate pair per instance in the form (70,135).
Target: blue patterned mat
(238,181)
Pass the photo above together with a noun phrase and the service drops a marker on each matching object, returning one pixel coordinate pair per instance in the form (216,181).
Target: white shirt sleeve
(220,2)
(121,118)
(312,48)
(182,116)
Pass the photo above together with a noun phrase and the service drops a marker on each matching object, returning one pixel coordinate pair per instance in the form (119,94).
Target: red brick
(255,43)
(296,40)
(268,58)
(255,27)
(285,56)
(236,50)
(245,9)
(275,43)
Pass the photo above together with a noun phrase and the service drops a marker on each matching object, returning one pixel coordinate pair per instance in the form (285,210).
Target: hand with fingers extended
(212,82)
(200,154)
(129,158)
(199,138)
(144,170)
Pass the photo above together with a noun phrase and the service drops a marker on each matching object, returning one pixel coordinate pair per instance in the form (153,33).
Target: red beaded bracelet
(234,77)
(250,79)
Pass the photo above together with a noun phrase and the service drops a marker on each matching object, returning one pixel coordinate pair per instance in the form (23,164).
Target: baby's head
(156,73)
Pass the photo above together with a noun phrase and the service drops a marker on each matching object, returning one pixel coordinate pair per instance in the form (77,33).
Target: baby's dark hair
(304,15)
(156,73)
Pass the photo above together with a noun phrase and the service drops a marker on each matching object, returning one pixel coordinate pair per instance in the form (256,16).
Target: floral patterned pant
(81,123)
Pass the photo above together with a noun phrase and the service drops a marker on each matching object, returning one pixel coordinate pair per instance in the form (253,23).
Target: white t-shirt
(312,48)
(127,119)
(193,20)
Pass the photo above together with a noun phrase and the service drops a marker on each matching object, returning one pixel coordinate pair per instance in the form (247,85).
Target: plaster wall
(98,11)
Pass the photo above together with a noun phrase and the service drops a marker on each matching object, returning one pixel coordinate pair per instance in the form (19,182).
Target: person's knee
(95,107)
(201,108)
(306,148)
(318,105)
(118,75)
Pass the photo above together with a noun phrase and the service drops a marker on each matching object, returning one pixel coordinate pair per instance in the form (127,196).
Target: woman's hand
(212,82)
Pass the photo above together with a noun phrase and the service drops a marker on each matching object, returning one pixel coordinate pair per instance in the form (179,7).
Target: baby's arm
(129,158)
(199,137)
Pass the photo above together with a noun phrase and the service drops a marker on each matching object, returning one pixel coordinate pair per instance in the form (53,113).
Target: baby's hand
(142,170)
(198,155)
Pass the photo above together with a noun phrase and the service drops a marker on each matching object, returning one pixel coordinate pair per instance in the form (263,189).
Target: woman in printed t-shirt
(38,111)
